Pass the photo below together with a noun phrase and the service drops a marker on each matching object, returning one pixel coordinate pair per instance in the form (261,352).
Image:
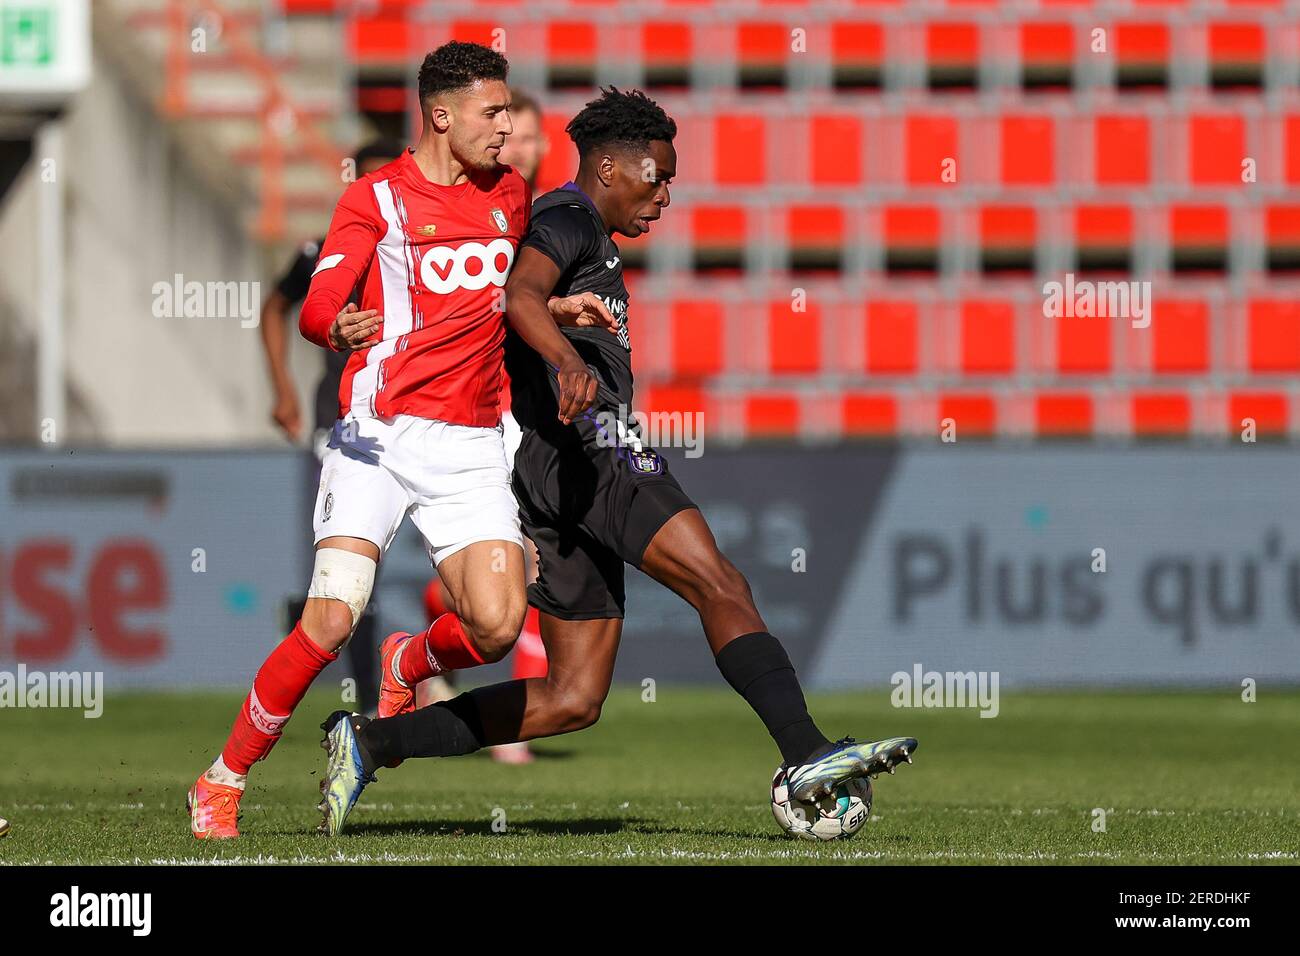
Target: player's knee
(718,580)
(576,711)
(328,623)
(495,631)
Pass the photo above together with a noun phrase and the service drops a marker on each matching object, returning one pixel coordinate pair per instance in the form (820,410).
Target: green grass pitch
(1184,778)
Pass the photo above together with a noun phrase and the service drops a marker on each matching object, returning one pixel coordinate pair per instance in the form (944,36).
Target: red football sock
(277,689)
(434,605)
(443,647)
(530,652)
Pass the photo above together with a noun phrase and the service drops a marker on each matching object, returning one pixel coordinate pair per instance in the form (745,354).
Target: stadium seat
(762,50)
(1160,414)
(1121,150)
(1008,238)
(1028,154)
(975,415)
(835,149)
(1063,415)
(696,328)
(1268,411)
(718,237)
(771,415)
(892,330)
(1291,159)
(816,237)
(1142,54)
(911,238)
(1046,55)
(857,55)
(1180,336)
(1083,344)
(1198,238)
(558,163)
(929,141)
(382,37)
(685,398)
(1273,335)
(1282,229)
(794,339)
(739,149)
(667,49)
(988,337)
(952,55)
(1236,55)
(571,51)
(1103,238)
(868,414)
(1216,146)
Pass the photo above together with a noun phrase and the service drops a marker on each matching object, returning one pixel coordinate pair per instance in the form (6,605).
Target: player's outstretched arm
(349,247)
(527,290)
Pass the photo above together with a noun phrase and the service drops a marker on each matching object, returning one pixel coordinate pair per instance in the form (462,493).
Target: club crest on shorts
(500,219)
(327,508)
(645,462)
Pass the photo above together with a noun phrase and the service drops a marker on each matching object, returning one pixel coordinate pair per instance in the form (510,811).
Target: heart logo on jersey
(500,219)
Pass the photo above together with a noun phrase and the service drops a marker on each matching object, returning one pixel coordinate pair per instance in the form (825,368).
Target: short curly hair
(457,66)
(620,118)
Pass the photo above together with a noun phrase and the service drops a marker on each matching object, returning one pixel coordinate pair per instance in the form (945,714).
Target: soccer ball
(836,817)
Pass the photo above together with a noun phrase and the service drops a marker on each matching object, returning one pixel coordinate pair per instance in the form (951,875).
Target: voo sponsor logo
(471,265)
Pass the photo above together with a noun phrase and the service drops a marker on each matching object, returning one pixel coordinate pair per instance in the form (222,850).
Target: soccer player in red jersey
(429,240)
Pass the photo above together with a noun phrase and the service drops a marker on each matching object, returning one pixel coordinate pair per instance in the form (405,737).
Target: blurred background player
(290,290)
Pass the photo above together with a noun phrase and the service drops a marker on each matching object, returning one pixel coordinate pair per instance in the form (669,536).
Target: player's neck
(591,186)
(434,158)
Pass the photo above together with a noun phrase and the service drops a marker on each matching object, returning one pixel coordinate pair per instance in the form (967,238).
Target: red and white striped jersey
(433,260)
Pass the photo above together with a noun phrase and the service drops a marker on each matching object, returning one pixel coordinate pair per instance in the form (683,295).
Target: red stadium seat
(1268,410)
(816,237)
(1008,238)
(1103,238)
(571,51)
(1028,156)
(891,338)
(835,149)
(669,397)
(1282,227)
(1083,344)
(1237,52)
(857,54)
(794,339)
(1142,54)
(974,415)
(868,414)
(667,48)
(1199,238)
(762,50)
(988,337)
(1180,330)
(1063,415)
(1291,133)
(1046,55)
(930,140)
(911,238)
(1273,330)
(952,51)
(718,236)
(381,37)
(1216,145)
(697,328)
(771,416)
(739,149)
(1160,414)
(1121,150)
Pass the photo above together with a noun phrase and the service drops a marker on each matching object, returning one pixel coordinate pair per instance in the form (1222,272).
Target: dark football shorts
(590,509)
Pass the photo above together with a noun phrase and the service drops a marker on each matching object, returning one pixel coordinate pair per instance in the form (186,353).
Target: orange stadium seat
(762,50)
(1268,410)
(868,414)
(1216,145)
(667,47)
(794,339)
(1083,344)
(975,415)
(718,235)
(1046,55)
(891,337)
(988,337)
(816,237)
(771,415)
(1008,238)
(1121,150)
(571,47)
(1160,414)
(1103,238)
(697,328)
(930,140)
(952,53)
(1282,228)
(1028,156)
(739,149)
(384,36)
(1273,331)
(911,238)
(1198,238)
(1063,414)
(1180,342)
(857,55)
(835,145)
(1236,54)
(1141,51)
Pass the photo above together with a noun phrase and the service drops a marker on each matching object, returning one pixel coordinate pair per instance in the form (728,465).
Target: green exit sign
(27,36)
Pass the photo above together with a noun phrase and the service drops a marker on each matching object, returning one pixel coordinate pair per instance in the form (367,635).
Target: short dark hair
(521,102)
(619,118)
(378,149)
(457,66)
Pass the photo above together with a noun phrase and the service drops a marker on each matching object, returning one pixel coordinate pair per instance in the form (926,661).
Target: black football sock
(446,729)
(758,668)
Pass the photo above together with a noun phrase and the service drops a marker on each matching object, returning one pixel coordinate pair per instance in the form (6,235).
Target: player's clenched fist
(577,389)
(352,330)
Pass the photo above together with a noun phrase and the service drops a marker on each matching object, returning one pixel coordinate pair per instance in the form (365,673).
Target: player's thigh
(684,556)
(580,655)
(485,580)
